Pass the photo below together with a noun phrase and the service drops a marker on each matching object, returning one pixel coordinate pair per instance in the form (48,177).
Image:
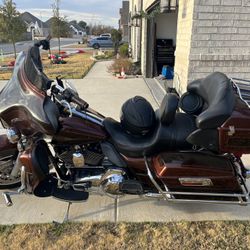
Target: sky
(91,11)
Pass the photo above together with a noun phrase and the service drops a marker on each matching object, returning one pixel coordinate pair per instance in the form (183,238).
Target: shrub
(123,50)
(120,63)
(108,54)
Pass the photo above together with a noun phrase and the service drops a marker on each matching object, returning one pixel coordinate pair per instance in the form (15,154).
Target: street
(20,46)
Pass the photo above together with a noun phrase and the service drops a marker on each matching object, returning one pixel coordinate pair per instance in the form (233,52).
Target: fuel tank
(76,130)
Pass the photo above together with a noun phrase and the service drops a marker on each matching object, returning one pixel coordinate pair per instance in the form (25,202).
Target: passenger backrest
(217,93)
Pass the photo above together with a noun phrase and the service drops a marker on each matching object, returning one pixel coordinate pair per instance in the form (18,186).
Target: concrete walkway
(106,94)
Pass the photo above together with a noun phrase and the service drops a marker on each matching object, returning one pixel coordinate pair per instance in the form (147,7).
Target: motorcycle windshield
(23,90)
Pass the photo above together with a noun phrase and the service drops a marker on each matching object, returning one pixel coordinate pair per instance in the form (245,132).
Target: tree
(74,22)
(59,25)
(11,25)
(82,24)
(116,37)
(99,29)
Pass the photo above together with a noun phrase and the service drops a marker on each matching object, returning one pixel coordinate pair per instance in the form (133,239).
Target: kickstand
(66,217)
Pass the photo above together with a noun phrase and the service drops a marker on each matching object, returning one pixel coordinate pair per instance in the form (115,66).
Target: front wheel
(7,181)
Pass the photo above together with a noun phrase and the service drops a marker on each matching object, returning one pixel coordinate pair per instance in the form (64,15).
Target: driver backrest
(168,108)
(217,92)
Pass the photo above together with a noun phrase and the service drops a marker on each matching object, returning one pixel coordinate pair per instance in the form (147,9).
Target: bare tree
(11,25)
(59,25)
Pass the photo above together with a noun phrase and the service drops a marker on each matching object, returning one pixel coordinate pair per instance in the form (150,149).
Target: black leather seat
(170,132)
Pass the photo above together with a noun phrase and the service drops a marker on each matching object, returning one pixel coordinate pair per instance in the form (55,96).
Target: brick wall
(212,35)
(221,38)
(183,43)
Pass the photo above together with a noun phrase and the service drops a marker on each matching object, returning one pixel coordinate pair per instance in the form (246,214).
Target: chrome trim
(12,135)
(111,180)
(244,86)
(233,195)
(7,199)
(158,196)
(196,181)
(17,166)
(95,180)
(88,117)
(22,189)
(66,105)
(153,180)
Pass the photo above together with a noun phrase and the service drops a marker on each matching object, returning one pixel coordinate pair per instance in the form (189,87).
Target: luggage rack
(243,89)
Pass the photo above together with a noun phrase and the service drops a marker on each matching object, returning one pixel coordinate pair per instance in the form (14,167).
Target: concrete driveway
(106,94)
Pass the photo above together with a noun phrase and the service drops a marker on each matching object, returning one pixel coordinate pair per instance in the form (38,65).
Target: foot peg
(21,190)
(131,187)
(7,199)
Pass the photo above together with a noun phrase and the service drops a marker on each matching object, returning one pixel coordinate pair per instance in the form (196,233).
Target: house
(76,29)
(35,27)
(124,20)
(197,37)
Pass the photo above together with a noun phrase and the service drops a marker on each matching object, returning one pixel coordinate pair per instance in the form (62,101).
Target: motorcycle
(189,150)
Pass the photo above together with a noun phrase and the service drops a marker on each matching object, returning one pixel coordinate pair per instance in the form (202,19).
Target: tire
(6,166)
(96,46)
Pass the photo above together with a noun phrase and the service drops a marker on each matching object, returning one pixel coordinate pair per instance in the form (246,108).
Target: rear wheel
(6,166)
(96,46)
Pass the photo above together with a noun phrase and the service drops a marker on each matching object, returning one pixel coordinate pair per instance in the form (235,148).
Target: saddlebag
(196,172)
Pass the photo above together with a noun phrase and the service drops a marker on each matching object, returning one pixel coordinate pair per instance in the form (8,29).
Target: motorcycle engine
(92,155)
(96,175)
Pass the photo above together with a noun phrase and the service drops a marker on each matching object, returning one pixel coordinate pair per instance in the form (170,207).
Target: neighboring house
(212,35)
(77,30)
(35,27)
(124,21)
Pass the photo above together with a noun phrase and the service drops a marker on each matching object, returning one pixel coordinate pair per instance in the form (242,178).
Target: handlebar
(69,96)
(82,104)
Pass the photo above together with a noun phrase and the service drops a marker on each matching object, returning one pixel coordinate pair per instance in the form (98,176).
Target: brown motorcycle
(56,145)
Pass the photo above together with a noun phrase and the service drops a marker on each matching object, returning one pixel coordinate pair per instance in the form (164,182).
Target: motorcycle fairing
(21,100)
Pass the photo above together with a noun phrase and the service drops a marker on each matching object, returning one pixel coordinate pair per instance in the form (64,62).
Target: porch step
(156,89)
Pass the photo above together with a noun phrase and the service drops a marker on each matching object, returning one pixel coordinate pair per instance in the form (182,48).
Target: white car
(106,35)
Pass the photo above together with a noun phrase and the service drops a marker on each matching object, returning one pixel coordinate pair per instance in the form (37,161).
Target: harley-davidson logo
(196,182)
